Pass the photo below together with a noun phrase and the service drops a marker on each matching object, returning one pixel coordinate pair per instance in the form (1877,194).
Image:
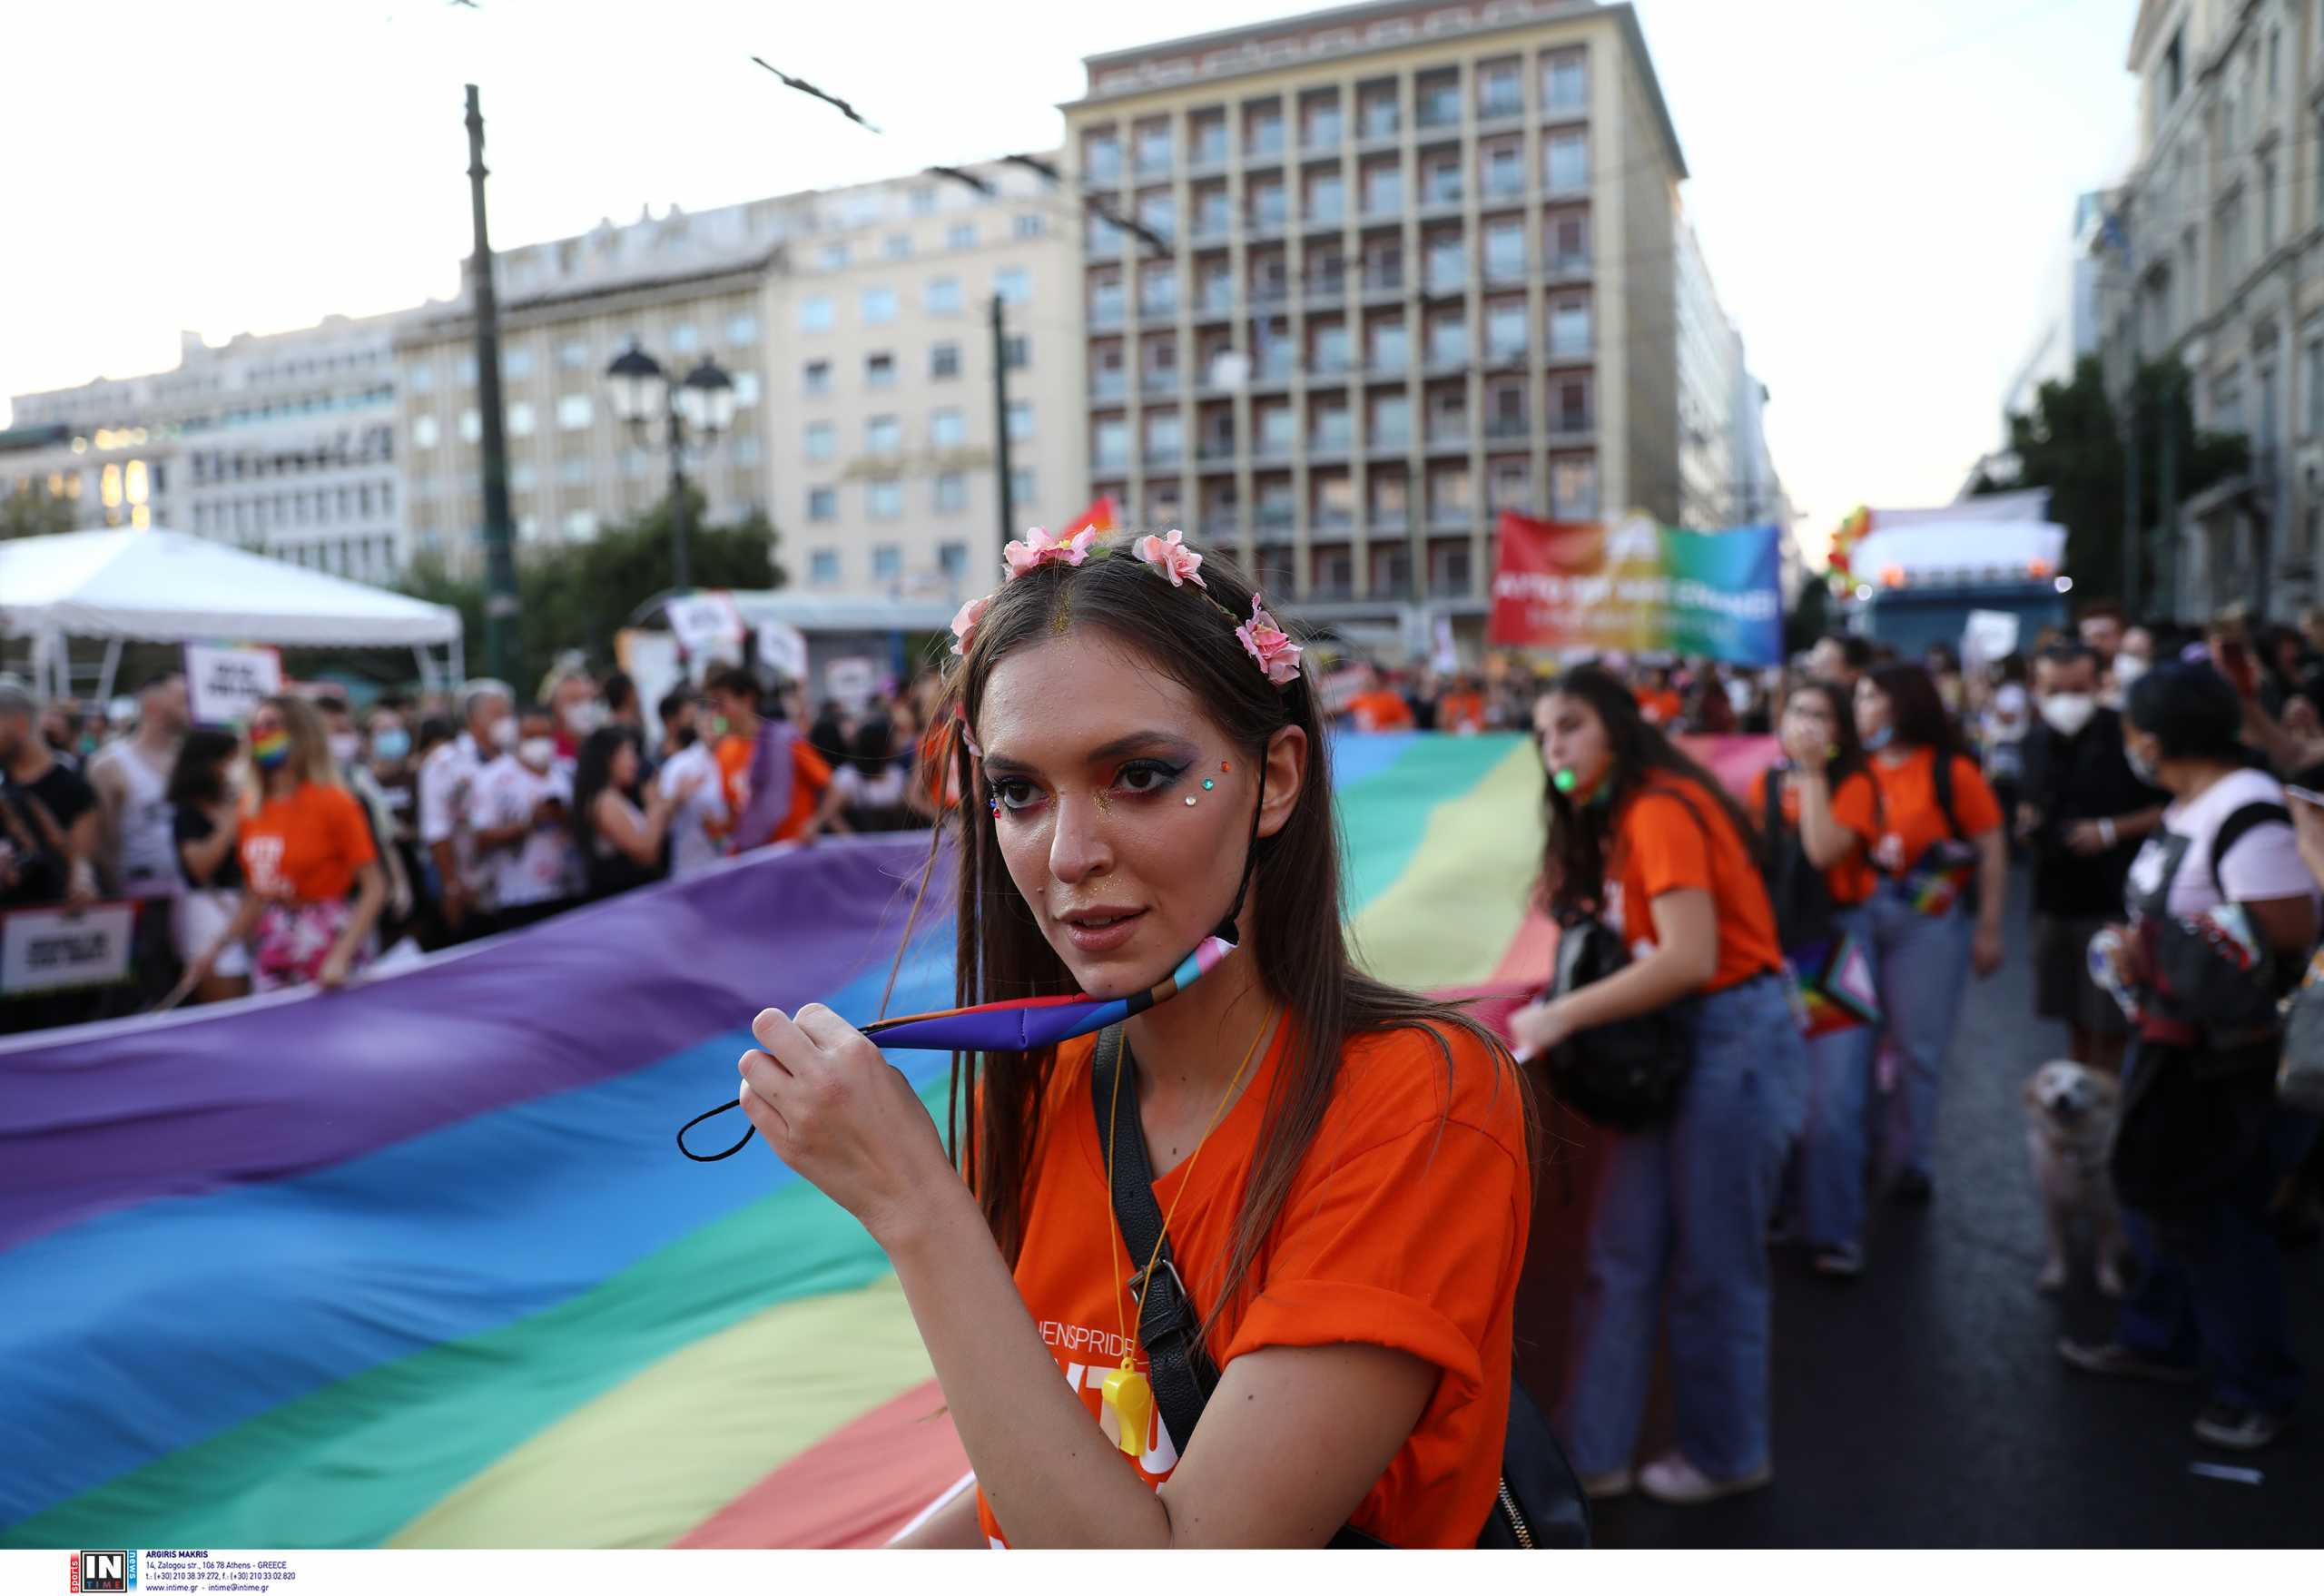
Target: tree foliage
(2072,444)
(577,595)
(35,513)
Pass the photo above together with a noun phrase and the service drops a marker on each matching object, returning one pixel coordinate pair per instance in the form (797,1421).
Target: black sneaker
(1911,1189)
(2112,1359)
(2236,1429)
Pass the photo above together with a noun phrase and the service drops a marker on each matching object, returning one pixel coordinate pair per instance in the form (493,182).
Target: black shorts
(2062,989)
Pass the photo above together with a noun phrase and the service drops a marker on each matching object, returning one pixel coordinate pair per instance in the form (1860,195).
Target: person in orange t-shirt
(1646,838)
(1929,854)
(1380,708)
(1344,1169)
(1462,711)
(1826,819)
(305,846)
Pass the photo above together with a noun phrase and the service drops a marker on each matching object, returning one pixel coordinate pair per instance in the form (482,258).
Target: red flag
(1098,518)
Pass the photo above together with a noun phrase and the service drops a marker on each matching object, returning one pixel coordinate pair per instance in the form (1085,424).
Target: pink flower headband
(1269,646)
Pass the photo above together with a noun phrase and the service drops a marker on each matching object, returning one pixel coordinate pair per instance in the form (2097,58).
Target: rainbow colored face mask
(269,751)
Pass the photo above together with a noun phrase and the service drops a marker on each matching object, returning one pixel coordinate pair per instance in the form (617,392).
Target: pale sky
(1880,186)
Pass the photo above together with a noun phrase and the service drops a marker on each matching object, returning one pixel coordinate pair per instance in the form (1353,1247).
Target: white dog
(2070,1112)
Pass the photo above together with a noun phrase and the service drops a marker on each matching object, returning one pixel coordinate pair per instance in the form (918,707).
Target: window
(743,328)
(835,256)
(1326,198)
(747,388)
(822,504)
(1499,91)
(1206,139)
(1264,198)
(884,501)
(883,435)
(879,370)
(1440,179)
(1446,262)
(922,202)
(1014,284)
(962,235)
(1016,352)
(878,306)
(423,432)
(574,354)
(574,412)
(952,559)
(1319,121)
(1390,425)
(1151,147)
(951,492)
(1569,328)
(1565,161)
(897,246)
(580,526)
(573,470)
(1101,156)
(1572,397)
(1383,187)
(1109,442)
(517,364)
(1501,169)
(1028,225)
(1438,94)
(816,377)
(1262,130)
(947,429)
(2267,206)
(1020,488)
(1165,437)
(1448,339)
(943,360)
(943,296)
(1505,330)
(823,440)
(1021,420)
(421,378)
(887,561)
(823,567)
(520,420)
(1567,235)
(1564,82)
(2314,363)
(1389,350)
(468,371)
(1573,485)
(685,338)
(816,314)
(1504,250)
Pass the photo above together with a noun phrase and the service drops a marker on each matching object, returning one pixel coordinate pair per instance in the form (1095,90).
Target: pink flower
(1173,559)
(964,623)
(1038,549)
(1267,644)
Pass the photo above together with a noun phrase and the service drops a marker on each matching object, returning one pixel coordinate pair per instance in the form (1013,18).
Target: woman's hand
(840,1115)
(1986,949)
(1808,754)
(1538,1027)
(336,966)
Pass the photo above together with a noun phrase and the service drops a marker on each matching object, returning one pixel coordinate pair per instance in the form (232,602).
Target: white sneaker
(1677,1483)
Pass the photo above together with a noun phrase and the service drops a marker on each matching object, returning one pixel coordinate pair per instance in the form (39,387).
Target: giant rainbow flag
(418,1264)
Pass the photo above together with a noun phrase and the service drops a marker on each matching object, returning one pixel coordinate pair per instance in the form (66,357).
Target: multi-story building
(1421,269)
(682,287)
(2214,245)
(881,415)
(282,443)
(2065,328)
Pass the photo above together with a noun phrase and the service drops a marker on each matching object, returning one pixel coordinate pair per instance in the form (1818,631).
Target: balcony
(1448,440)
(1384,286)
(1329,446)
(1508,106)
(1329,366)
(1107,312)
(1274,522)
(1265,223)
(1109,460)
(1448,585)
(1217,299)
(1263,144)
(1503,353)
(1103,171)
(1213,226)
(1505,271)
(1391,441)
(1387,363)
(1567,268)
(1439,200)
(1503,430)
(1208,154)
(1159,379)
(1109,385)
(1324,291)
(1451,518)
(1569,427)
(1215,451)
(1322,136)
(1565,350)
(1271,373)
(1159,309)
(1271,450)
(1449,357)
(1389,518)
(1164,456)
(1380,125)
(1439,110)
(1153,164)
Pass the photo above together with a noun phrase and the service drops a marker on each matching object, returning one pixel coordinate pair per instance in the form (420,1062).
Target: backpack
(1799,892)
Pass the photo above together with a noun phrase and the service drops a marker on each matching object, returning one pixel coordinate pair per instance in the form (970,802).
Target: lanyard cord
(1113,1231)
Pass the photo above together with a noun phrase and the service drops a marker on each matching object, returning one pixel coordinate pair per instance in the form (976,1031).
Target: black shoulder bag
(1800,893)
(1540,1506)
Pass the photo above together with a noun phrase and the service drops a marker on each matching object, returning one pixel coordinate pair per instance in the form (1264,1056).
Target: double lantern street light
(697,408)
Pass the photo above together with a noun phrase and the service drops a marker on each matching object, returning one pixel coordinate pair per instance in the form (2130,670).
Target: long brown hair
(1573,858)
(1298,940)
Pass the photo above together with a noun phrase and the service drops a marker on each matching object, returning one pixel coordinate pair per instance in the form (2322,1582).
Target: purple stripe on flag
(105,1116)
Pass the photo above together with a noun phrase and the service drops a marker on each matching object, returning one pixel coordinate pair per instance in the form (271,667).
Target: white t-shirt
(2007,718)
(542,867)
(2260,864)
(446,786)
(858,791)
(693,849)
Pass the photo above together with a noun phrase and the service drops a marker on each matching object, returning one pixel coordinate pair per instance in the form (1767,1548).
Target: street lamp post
(700,406)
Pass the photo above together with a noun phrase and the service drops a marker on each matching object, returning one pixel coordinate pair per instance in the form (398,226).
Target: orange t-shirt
(1458,712)
(811,773)
(1660,845)
(1405,1227)
(733,756)
(1913,822)
(306,846)
(1855,804)
(1662,706)
(1381,711)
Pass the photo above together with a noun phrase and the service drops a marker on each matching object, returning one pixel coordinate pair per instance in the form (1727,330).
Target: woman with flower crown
(1343,1169)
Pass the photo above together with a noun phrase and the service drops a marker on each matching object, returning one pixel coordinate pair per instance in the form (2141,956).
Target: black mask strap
(1225,930)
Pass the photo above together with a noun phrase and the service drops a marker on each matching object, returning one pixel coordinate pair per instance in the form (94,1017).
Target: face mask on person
(582,718)
(2128,668)
(536,752)
(390,744)
(270,750)
(1874,742)
(2141,767)
(346,747)
(2068,712)
(504,732)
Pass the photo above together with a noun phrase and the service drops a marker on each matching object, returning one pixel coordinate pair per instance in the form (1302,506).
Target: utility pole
(1001,423)
(500,561)
(681,509)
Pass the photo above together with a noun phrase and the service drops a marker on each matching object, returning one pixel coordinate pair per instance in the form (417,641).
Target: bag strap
(1941,777)
(1178,1364)
(2259,812)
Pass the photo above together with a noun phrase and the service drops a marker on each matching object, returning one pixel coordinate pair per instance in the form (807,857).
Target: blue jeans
(1686,1206)
(2210,1281)
(1830,1169)
(1921,965)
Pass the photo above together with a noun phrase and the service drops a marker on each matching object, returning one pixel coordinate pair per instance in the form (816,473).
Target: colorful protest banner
(1636,587)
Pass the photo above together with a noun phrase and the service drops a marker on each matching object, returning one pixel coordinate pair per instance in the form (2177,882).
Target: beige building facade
(1420,271)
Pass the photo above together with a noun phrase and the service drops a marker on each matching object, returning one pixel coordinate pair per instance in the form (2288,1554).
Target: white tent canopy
(1973,548)
(169,587)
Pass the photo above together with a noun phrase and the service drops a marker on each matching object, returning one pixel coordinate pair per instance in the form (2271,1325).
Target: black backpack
(1805,916)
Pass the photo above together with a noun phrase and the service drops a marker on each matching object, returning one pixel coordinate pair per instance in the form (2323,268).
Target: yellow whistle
(1128,1401)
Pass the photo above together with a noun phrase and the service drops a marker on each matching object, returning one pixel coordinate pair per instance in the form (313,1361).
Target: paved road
(1925,1404)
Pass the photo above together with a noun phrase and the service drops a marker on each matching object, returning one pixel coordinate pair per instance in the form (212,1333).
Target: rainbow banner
(1633,586)
(418,1264)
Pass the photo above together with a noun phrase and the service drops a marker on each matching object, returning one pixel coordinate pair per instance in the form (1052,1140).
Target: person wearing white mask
(2132,659)
(518,815)
(448,779)
(348,752)
(2083,815)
